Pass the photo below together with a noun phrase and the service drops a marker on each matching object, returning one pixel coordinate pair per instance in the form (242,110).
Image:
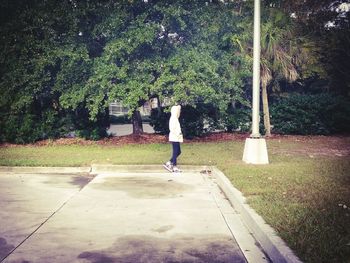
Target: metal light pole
(256,72)
(255,150)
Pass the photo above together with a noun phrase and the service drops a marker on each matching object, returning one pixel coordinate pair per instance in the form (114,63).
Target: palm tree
(280,54)
(278,60)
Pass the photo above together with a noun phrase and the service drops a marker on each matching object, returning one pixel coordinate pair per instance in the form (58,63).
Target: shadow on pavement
(198,249)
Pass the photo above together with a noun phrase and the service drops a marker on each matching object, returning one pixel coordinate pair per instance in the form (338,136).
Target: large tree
(72,58)
(169,50)
(68,60)
(41,54)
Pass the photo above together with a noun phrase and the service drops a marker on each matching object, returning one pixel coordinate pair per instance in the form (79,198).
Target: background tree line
(63,62)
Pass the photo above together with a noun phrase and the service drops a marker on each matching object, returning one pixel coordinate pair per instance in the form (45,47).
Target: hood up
(175,111)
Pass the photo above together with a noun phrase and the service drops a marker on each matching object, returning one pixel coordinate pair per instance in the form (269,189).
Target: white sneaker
(168,166)
(176,170)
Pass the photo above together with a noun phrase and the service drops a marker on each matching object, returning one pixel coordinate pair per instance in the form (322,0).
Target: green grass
(297,193)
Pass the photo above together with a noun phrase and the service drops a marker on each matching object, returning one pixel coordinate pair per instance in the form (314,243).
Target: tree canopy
(63,62)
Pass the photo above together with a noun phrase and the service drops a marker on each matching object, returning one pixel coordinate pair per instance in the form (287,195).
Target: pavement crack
(44,222)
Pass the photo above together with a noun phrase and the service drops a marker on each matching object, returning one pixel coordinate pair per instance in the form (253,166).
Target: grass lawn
(304,193)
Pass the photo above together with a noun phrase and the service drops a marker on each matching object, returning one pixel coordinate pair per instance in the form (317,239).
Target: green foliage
(160,121)
(311,114)
(327,45)
(91,133)
(86,128)
(28,128)
(71,59)
(63,62)
(199,120)
(191,121)
(20,129)
(161,52)
(44,67)
(238,119)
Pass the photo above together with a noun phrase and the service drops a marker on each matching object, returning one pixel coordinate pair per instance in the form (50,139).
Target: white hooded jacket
(175,134)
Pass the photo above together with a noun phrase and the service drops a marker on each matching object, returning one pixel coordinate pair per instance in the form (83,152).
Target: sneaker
(168,166)
(176,170)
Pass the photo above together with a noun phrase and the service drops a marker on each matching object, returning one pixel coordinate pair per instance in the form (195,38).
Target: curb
(275,248)
(100,168)
(96,168)
(58,170)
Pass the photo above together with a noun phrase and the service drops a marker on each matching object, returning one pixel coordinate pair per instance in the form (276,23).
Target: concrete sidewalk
(120,217)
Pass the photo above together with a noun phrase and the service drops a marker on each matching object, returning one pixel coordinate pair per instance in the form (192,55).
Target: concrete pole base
(255,151)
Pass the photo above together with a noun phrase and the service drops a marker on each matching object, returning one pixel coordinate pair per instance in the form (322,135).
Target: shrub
(21,129)
(160,121)
(311,114)
(90,129)
(191,120)
(28,128)
(238,120)
(91,133)
(202,119)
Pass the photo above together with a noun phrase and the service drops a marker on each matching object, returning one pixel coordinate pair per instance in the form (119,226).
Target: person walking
(175,137)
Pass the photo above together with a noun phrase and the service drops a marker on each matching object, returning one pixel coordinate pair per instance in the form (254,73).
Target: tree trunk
(136,123)
(266,112)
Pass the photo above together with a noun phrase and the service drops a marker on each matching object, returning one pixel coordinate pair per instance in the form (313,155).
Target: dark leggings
(176,152)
